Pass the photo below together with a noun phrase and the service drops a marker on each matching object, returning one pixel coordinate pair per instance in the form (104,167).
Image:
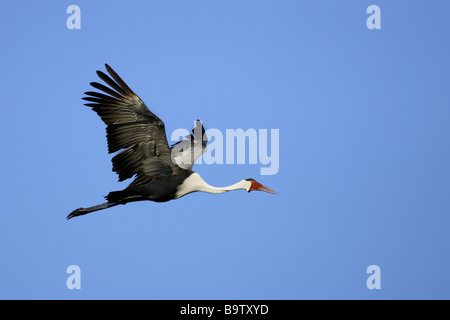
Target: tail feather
(83,211)
(116,196)
(123,196)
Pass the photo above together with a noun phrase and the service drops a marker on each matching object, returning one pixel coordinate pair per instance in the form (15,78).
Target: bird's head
(252,185)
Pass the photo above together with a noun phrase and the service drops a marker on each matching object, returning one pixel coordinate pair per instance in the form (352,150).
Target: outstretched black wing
(132,128)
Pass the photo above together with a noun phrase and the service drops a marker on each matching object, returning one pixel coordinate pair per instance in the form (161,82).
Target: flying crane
(162,173)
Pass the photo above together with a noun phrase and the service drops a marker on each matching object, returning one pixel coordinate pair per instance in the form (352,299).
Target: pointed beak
(264,188)
(259,187)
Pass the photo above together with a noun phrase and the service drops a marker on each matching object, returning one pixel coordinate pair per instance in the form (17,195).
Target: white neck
(195,183)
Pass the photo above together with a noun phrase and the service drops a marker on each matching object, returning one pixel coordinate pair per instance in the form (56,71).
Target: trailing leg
(83,211)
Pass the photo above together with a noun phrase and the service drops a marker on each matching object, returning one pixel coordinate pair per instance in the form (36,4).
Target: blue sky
(364,178)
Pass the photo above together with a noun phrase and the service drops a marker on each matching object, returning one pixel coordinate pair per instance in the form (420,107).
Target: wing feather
(132,129)
(185,152)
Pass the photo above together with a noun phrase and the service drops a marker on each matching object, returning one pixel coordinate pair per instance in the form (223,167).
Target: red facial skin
(259,187)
